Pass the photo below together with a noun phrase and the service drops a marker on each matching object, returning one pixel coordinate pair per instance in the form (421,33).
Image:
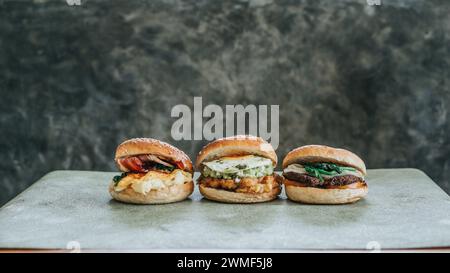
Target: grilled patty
(312,181)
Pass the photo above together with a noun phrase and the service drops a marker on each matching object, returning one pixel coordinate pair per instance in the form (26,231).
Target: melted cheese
(237,163)
(297,168)
(143,183)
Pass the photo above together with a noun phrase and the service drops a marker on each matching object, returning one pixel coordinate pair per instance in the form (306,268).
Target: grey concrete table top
(404,209)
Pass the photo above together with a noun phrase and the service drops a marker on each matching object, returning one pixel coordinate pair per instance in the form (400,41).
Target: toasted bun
(165,151)
(237,197)
(171,194)
(236,146)
(320,153)
(311,195)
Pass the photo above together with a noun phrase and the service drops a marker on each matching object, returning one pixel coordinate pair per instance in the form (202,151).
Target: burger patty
(312,181)
(244,185)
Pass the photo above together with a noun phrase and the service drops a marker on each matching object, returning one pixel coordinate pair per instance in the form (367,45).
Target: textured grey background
(76,81)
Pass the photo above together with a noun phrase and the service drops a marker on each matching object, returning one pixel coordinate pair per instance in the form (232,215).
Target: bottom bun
(311,195)
(166,195)
(238,197)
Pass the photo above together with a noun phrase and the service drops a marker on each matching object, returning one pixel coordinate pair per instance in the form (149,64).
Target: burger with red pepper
(153,172)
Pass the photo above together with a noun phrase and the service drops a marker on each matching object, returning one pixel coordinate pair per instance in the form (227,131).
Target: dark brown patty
(315,182)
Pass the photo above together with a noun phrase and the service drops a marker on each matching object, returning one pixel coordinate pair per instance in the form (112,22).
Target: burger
(238,169)
(317,174)
(153,172)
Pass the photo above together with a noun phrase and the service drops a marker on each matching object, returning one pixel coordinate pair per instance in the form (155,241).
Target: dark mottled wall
(76,81)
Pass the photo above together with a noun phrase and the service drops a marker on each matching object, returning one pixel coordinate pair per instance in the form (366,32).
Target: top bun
(321,153)
(163,150)
(236,146)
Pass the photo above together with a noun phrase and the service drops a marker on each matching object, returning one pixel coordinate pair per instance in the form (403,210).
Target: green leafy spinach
(318,169)
(117,178)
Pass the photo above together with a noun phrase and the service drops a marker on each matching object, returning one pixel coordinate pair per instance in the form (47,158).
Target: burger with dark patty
(318,174)
(238,169)
(153,172)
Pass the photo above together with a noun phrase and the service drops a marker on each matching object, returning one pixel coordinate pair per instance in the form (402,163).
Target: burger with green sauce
(318,174)
(238,169)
